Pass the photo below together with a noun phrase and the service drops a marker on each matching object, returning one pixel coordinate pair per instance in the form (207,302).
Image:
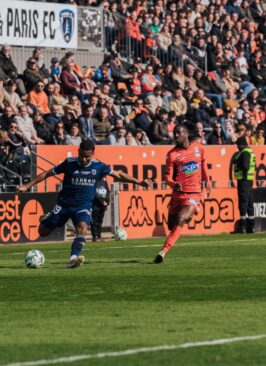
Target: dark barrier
(19,217)
(260,208)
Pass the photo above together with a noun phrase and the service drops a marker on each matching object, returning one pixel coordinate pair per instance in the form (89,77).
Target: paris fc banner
(27,23)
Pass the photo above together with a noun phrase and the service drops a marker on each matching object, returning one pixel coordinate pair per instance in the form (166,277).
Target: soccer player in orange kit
(186,171)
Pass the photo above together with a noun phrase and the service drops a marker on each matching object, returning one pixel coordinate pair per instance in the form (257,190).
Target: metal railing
(4,185)
(117,38)
(36,155)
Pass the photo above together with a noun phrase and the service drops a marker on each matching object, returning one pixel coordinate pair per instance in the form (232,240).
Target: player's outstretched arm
(38,179)
(125,178)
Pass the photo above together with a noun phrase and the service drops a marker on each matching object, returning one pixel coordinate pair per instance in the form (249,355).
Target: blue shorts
(61,214)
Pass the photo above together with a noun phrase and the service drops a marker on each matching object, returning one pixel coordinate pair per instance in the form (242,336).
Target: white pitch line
(133,351)
(143,246)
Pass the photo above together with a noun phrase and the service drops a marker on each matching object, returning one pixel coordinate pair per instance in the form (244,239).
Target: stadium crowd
(201,63)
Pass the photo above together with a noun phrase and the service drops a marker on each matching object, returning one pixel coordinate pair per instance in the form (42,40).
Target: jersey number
(57,209)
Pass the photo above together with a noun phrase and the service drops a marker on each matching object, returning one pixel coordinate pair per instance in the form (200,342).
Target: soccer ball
(120,234)
(34,259)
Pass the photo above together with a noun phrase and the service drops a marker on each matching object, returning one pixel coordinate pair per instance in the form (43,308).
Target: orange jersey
(187,167)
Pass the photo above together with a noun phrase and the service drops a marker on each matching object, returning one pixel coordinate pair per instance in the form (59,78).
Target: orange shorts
(179,200)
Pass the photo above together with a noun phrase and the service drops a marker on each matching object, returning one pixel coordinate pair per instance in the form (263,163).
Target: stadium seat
(11,177)
(25,171)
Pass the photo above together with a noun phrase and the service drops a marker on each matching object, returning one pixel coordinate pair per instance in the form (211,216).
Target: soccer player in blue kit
(74,201)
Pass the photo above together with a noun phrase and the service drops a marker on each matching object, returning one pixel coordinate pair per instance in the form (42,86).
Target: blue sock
(77,245)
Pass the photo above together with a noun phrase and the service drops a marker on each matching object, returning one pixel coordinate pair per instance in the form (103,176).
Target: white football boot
(76,261)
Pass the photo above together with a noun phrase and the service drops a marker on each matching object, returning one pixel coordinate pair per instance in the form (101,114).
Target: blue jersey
(80,182)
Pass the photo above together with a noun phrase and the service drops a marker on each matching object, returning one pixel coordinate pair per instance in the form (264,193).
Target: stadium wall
(147,210)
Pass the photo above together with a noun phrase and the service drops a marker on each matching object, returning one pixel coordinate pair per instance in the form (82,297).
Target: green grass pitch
(209,287)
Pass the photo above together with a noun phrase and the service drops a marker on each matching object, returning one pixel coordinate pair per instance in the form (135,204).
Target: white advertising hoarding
(24,23)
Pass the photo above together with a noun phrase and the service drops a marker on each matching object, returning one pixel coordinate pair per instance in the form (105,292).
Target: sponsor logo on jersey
(76,172)
(190,167)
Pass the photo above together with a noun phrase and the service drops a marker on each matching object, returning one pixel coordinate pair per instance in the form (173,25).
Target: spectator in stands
(198,133)
(149,46)
(69,118)
(32,74)
(38,98)
(16,143)
(118,72)
(240,77)
(133,34)
(256,71)
(244,107)
(148,82)
(42,128)
(157,132)
(57,98)
(6,118)
(49,90)
(216,137)
(25,126)
(178,103)
(141,137)
(59,135)
(54,117)
(9,69)
(11,88)
(231,99)
(117,137)
(139,116)
(155,100)
(55,69)
(72,82)
(179,77)
(75,136)
(101,125)
(190,82)
(39,57)
(75,104)
(257,138)
(86,123)
(5,98)
(135,84)
(208,87)
(130,139)
(103,74)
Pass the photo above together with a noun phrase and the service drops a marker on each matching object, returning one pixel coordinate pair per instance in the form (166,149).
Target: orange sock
(172,238)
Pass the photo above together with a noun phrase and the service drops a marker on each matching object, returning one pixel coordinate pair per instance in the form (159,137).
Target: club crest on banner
(67,18)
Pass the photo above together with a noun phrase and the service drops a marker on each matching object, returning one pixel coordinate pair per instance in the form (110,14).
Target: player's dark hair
(178,126)
(87,145)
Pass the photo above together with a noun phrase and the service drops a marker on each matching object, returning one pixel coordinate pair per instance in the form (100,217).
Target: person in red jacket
(186,171)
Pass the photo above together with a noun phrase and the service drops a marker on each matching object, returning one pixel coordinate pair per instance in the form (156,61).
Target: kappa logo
(67,18)
(137,213)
